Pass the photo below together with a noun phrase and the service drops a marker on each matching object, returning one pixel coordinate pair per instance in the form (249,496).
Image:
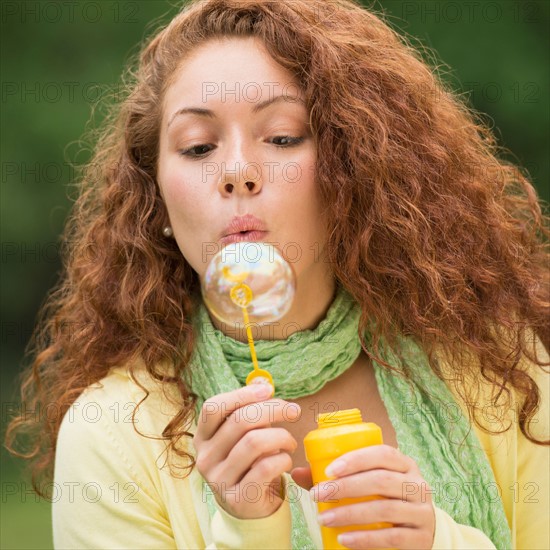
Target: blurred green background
(58,58)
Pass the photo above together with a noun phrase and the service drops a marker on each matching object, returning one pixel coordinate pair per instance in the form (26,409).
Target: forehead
(230,69)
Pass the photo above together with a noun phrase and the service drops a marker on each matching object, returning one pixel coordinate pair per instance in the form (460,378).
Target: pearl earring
(167,231)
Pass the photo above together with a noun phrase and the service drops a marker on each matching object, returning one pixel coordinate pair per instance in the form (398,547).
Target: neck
(311,303)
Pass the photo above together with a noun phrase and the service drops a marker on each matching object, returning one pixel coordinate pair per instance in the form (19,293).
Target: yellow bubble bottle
(337,433)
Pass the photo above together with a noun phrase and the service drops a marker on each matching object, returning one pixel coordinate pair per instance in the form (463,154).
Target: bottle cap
(337,418)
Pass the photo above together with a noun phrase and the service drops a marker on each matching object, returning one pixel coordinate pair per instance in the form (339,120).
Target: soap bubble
(251,275)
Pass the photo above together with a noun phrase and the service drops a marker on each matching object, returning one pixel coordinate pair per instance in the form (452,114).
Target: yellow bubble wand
(241,295)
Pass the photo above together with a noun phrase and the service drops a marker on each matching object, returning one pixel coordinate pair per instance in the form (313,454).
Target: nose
(240,178)
(249,187)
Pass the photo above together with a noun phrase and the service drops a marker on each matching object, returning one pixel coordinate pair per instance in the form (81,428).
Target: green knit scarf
(303,363)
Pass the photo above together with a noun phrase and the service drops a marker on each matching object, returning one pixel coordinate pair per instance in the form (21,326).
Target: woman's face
(239,155)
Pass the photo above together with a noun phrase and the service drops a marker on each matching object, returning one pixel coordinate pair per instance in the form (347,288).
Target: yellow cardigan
(111,489)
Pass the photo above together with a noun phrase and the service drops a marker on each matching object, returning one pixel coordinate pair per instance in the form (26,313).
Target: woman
(422,300)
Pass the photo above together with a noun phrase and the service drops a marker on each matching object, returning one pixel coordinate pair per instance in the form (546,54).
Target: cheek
(183,199)
(298,177)
(301,209)
(305,193)
(188,219)
(177,195)
(170,176)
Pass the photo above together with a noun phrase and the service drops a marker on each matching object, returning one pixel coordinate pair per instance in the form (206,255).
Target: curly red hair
(431,232)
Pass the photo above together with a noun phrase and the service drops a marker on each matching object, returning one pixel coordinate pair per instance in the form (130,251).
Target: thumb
(302,477)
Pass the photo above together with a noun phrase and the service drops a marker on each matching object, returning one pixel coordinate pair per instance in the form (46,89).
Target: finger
(368,458)
(403,538)
(264,472)
(253,446)
(302,476)
(397,512)
(384,483)
(259,415)
(250,417)
(216,409)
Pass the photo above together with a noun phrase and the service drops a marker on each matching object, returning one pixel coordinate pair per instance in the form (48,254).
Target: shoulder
(539,424)
(474,392)
(112,470)
(541,375)
(113,398)
(499,415)
(115,414)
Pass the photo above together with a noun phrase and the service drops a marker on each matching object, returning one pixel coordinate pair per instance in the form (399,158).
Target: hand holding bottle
(376,470)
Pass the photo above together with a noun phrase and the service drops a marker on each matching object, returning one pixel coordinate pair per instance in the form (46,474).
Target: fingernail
(293,409)
(317,492)
(345,539)
(335,468)
(262,390)
(325,518)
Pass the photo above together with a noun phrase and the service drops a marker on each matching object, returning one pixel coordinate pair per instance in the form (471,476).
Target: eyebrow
(207,113)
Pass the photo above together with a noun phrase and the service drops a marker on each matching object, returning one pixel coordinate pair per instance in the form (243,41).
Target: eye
(192,151)
(198,151)
(291,141)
